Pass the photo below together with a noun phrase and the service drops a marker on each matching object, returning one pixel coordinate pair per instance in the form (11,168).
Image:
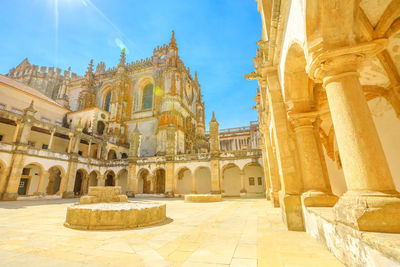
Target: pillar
(169,179)
(133,181)
(317,191)
(193,184)
(101,180)
(371,202)
(89,149)
(52,131)
(99,151)
(68,181)
(272,170)
(216,181)
(13,177)
(44,175)
(243,182)
(267,178)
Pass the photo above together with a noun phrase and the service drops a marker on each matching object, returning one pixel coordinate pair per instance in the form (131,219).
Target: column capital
(303,120)
(327,64)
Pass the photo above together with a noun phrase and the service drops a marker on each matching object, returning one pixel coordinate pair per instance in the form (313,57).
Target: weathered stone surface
(108,216)
(351,246)
(203,198)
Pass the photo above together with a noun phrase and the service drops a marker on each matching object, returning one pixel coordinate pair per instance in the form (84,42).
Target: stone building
(329,106)
(138,125)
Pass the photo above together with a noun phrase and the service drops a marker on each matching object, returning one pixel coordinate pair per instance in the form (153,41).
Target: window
(100,127)
(25,171)
(30,143)
(251,181)
(80,153)
(147,97)
(1,137)
(44,146)
(107,102)
(259,181)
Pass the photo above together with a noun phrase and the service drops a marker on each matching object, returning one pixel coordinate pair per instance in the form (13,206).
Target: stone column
(317,192)
(291,184)
(371,202)
(133,181)
(68,181)
(41,185)
(98,151)
(71,139)
(242,182)
(267,179)
(216,181)
(194,185)
(89,149)
(169,179)
(52,131)
(272,168)
(14,176)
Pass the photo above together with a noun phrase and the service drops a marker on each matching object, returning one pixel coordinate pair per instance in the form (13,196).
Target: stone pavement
(234,232)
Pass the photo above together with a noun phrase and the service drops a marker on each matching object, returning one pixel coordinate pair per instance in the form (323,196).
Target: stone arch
(183,181)
(93,178)
(202,175)
(109,177)
(231,180)
(30,177)
(122,180)
(159,180)
(298,87)
(81,177)
(111,154)
(56,174)
(254,180)
(144,183)
(107,91)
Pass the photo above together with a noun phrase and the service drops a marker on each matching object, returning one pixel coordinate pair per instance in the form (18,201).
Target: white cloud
(121,45)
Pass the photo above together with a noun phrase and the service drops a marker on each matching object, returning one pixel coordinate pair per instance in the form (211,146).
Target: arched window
(147,97)
(107,102)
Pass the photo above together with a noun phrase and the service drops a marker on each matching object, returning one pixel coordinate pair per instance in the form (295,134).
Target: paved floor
(235,232)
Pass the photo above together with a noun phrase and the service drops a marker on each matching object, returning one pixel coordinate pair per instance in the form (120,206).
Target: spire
(172,43)
(195,76)
(90,68)
(213,117)
(122,59)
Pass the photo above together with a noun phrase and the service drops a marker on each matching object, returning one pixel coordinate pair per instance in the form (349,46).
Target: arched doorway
(92,179)
(54,181)
(231,180)
(159,181)
(203,180)
(123,180)
(184,181)
(111,154)
(110,179)
(29,181)
(144,183)
(79,182)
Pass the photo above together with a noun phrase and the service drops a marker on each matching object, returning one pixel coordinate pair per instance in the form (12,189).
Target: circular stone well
(114,215)
(203,198)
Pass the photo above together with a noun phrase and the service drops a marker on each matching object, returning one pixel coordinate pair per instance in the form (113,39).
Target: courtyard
(234,232)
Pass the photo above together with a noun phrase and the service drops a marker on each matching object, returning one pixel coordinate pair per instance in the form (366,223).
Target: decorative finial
(172,43)
(122,59)
(213,117)
(90,67)
(195,76)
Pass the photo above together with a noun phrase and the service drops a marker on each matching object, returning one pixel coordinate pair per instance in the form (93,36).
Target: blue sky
(215,37)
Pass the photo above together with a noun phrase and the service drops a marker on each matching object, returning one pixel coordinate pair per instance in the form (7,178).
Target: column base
(292,213)
(68,194)
(318,199)
(216,192)
(40,194)
(130,194)
(275,199)
(9,196)
(371,212)
(268,194)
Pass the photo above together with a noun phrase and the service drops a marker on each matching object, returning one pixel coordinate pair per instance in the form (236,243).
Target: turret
(214,135)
